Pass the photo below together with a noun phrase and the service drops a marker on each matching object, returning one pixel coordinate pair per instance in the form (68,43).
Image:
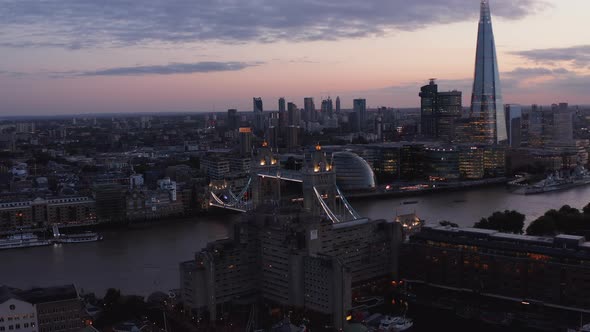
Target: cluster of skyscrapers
(312,250)
(441,112)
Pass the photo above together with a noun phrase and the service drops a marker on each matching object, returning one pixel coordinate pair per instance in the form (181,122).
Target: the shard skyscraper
(487,110)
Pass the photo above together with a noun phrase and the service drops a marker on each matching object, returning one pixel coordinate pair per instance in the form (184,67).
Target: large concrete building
(543,273)
(16,314)
(550,127)
(302,246)
(513,115)
(360,111)
(439,112)
(45,212)
(50,309)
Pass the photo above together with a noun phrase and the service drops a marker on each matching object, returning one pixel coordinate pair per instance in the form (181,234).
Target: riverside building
(542,273)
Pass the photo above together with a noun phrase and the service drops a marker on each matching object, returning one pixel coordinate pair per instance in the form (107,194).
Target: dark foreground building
(301,249)
(547,272)
(56,309)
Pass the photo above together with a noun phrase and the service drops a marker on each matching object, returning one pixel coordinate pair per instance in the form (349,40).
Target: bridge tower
(265,191)
(321,195)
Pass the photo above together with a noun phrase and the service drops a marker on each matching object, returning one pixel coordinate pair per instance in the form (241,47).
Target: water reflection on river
(140,261)
(467,207)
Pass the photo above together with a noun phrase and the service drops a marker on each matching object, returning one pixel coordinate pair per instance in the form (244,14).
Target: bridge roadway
(239,204)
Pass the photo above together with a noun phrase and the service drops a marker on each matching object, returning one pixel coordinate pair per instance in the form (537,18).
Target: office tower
(272,136)
(283,120)
(245,141)
(428,109)
(449,108)
(338,105)
(536,124)
(257,105)
(309,109)
(258,114)
(282,105)
(379,127)
(293,137)
(232,119)
(327,108)
(360,109)
(551,127)
(412,161)
(294,114)
(273,119)
(441,163)
(487,112)
(563,127)
(514,124)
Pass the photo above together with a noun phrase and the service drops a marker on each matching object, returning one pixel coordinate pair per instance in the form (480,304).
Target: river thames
(141,261)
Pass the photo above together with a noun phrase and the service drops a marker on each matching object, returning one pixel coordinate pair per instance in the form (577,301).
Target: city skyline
(157,59)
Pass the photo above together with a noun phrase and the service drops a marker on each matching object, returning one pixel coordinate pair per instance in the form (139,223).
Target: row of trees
(566,220)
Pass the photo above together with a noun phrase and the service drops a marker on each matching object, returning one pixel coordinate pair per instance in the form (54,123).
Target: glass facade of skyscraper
(487,111)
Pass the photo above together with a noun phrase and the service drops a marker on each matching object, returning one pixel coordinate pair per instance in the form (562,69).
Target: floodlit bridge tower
(265,172)
(321,195)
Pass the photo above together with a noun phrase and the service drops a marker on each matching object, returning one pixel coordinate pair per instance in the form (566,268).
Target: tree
(544,225)
(566,220)
(506,222)
(112,296)
(448,223)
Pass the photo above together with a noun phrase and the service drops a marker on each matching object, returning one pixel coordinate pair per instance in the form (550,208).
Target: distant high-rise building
(232,119)
(257,105)
(282,105)
(428,107)
(258,108)
(550,127)
(245,141)
(309,109)
(22,127)
(536,124)
(338,109)
(294,115)
(448,112)
(327,107)
(487,110)
(379,127)
(293,137)
(563,127)
(514,124)
(273,134)
(360,108)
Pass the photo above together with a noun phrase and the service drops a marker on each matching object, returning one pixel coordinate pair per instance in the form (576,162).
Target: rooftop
(49,294)
(7,293)
(486,237)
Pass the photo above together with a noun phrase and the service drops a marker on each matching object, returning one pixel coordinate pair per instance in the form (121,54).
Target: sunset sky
(86,56)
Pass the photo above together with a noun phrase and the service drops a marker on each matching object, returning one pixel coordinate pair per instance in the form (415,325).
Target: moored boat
(78,238)
(23,240)
(553,182)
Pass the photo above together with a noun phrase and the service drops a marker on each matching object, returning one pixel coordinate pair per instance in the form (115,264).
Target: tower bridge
(312,188)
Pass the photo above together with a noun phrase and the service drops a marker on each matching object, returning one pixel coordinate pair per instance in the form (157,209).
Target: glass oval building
(352,172)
